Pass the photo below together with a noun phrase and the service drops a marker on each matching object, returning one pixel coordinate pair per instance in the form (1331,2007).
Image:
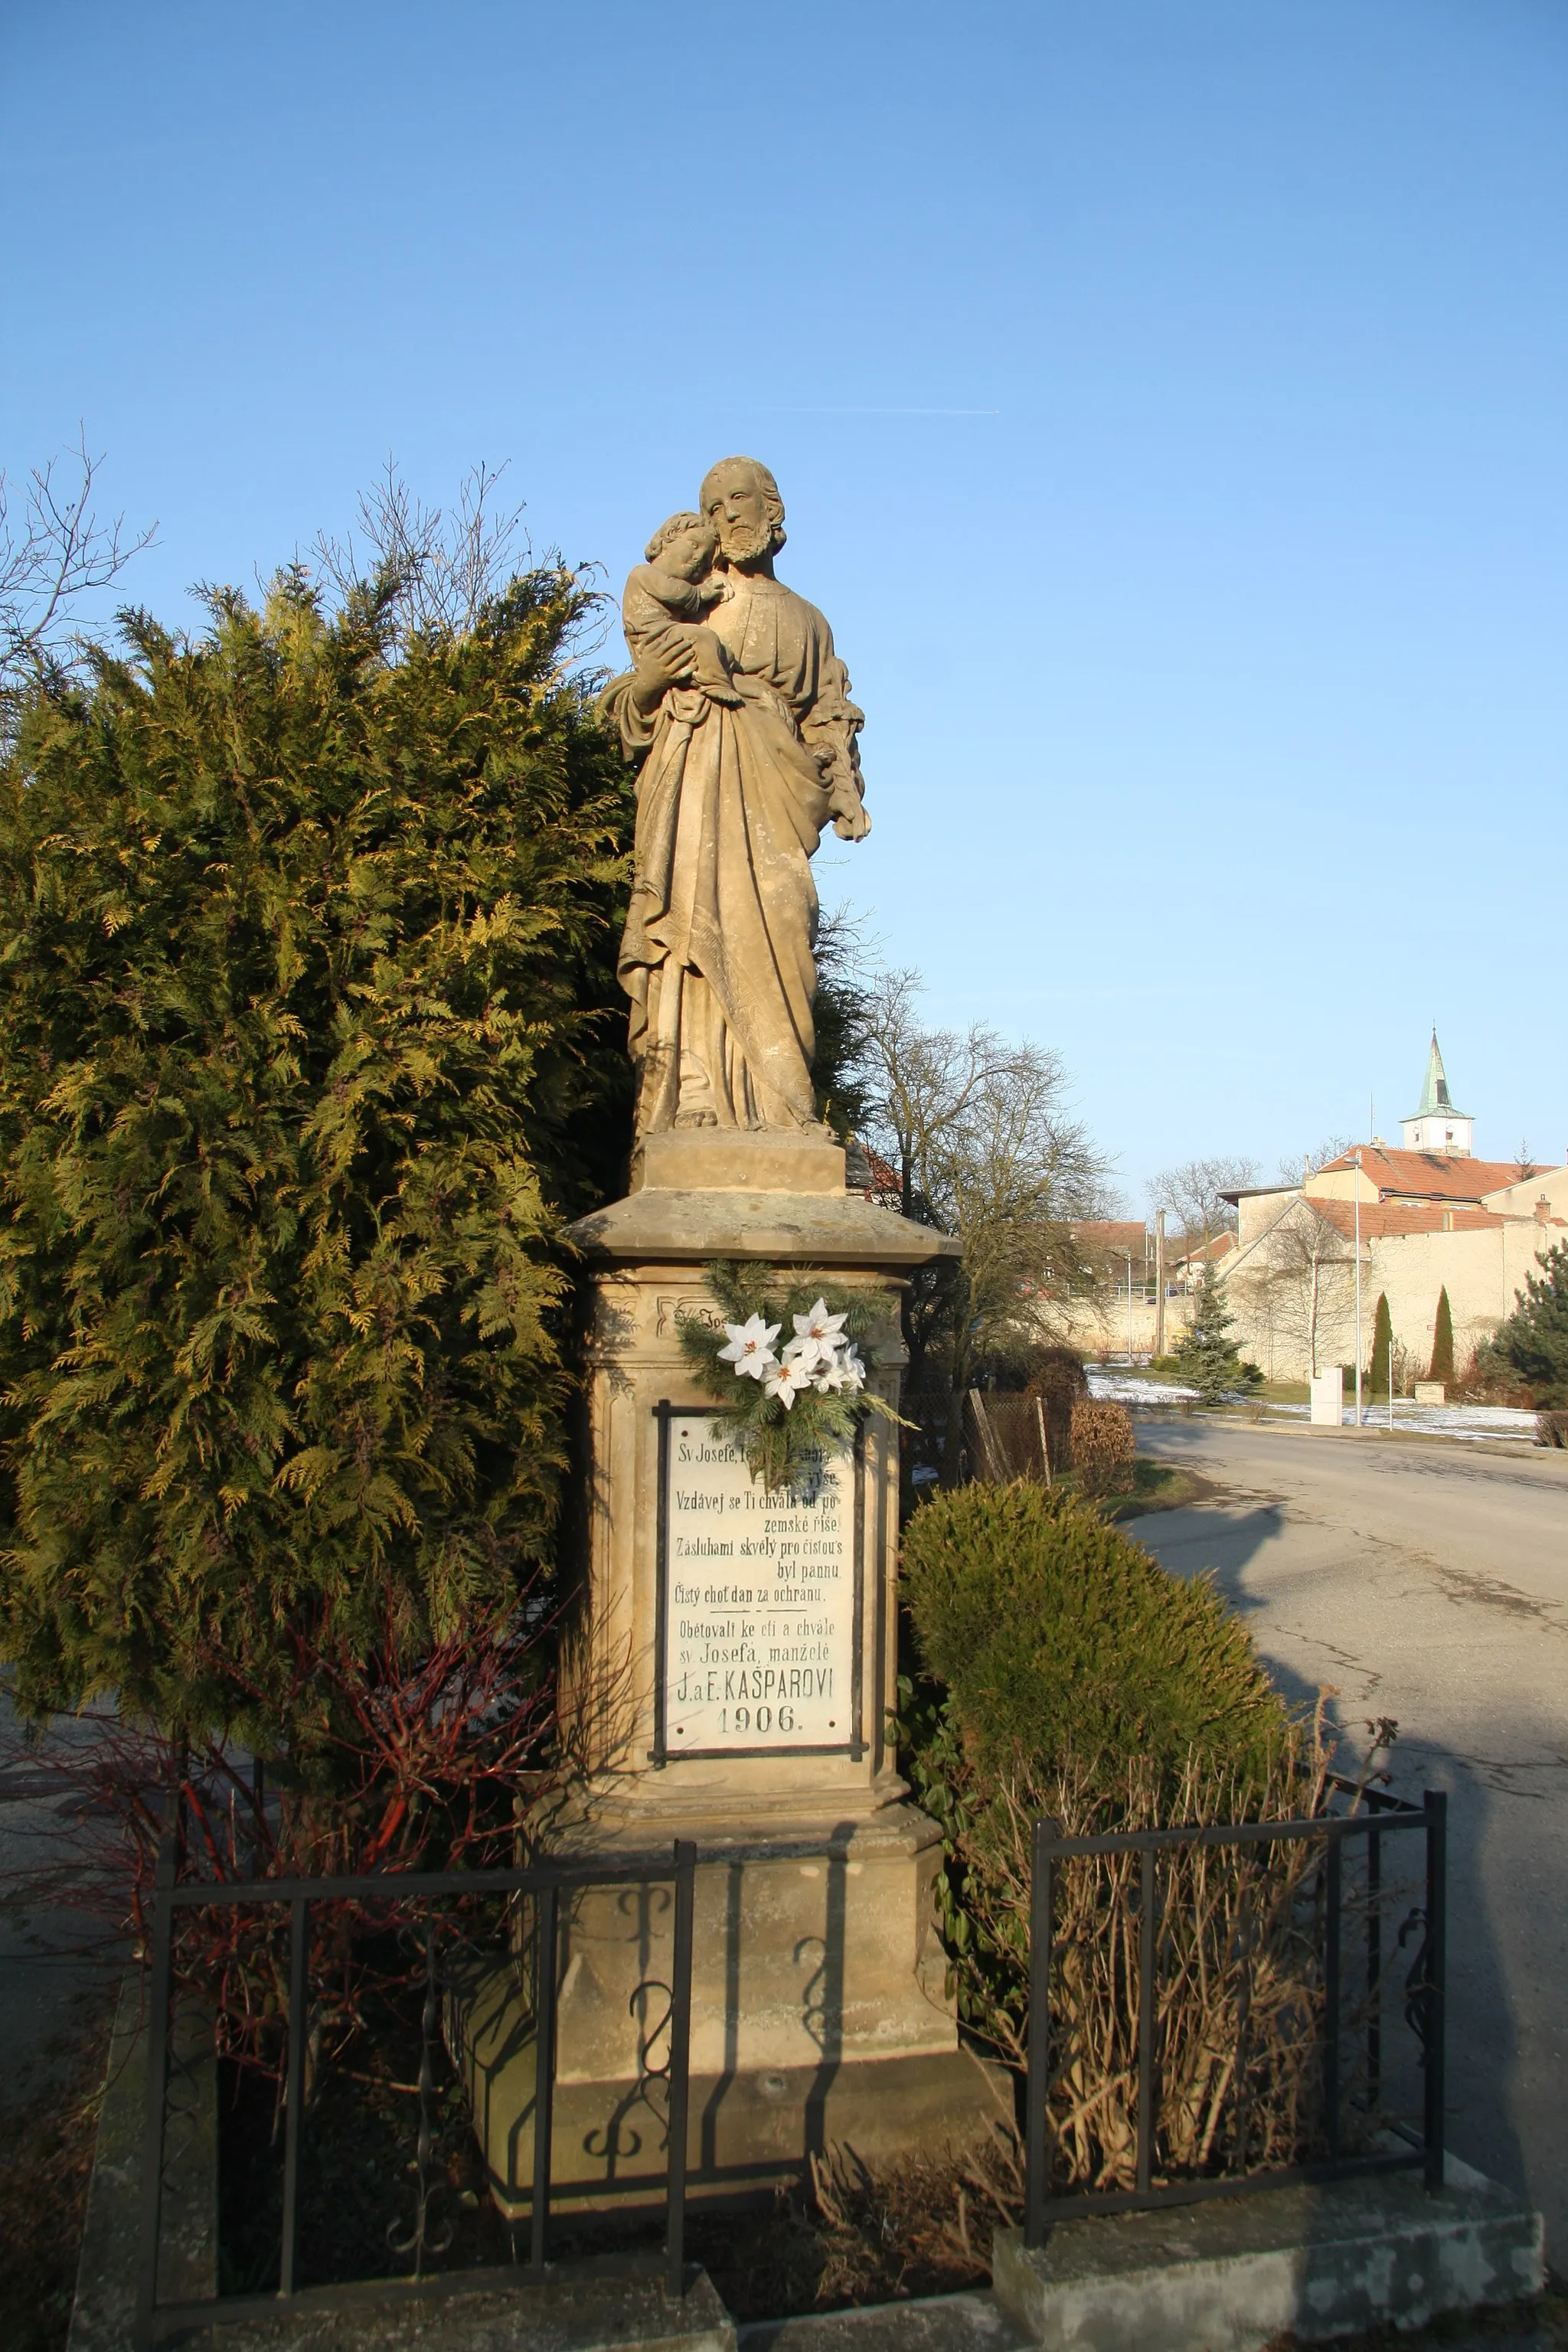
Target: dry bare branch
(443,568)
(54,550)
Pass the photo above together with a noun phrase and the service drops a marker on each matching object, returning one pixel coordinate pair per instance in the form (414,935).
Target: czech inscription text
(759,1599)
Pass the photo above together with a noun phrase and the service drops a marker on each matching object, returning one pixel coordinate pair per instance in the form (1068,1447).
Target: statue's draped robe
(717,954)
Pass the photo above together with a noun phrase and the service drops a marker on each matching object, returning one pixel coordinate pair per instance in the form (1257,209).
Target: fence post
(543,2076)
(1148,2090)
(679,2068)
(1374,1966)
(1334,1874)
(1434,1804)
(1036,2154)
(294,2094)
(157,2085)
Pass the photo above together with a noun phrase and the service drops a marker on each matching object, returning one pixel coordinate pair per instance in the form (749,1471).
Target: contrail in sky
(880,412)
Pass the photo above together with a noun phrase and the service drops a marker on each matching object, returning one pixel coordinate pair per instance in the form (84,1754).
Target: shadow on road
(1484,2057)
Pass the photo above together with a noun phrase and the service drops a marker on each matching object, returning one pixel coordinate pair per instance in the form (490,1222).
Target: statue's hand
(852,824)
(656,672)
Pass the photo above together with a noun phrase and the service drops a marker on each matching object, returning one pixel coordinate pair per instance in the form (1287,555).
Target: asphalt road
(1428,1581)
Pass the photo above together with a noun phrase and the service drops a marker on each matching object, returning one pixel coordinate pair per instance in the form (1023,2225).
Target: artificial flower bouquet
(787,1398)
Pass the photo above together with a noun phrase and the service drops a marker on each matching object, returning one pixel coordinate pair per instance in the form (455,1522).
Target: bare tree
(442,566)
(1300,1281)
(1297,1170)
(980,1132)
(1193,1194)
(54,550)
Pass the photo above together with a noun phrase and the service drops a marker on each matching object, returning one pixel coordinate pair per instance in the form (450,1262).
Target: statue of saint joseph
(745,751)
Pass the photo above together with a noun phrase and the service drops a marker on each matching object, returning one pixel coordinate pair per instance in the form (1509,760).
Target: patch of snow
(1473,1422)
(1126,1388)
(1467,1421)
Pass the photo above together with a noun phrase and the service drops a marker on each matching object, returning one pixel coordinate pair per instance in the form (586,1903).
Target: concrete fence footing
(1231,2274)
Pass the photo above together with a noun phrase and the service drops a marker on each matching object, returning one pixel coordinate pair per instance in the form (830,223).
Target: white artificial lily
(819,1336)
(751,1348)
(785,1381)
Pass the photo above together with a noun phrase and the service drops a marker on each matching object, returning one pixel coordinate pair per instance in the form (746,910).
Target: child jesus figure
(667,597)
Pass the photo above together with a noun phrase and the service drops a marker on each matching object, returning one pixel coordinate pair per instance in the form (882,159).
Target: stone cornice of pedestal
(774,1192)
(601,1820)
(654,1226)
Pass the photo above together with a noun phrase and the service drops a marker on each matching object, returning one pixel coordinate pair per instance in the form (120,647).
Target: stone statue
(738,711)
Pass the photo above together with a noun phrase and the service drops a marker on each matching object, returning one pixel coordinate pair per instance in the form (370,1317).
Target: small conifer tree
(1205,1355)
(1535,1340)
(1381,1342)
(1442,1364)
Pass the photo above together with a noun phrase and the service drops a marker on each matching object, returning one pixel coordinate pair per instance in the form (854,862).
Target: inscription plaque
(759,1600)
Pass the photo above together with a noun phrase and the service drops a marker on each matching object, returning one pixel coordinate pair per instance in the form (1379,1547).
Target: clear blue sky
(1170,402)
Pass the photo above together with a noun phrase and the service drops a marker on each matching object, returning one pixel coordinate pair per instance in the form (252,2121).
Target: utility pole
(1129,1256)
(1357,1420)
(1159,1282)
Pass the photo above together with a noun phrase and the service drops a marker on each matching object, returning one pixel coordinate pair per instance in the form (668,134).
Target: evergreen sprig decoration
(791,1363)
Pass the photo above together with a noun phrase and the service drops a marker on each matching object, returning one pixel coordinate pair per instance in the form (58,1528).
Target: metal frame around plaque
(659,1754)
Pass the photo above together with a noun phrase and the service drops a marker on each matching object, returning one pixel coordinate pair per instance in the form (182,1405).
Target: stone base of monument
(748,2132)
(818,2016)
(729,1681)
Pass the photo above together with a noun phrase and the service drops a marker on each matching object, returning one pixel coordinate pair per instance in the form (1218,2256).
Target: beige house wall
(1256,1212)
(1268,1299)
(1413,1269)
(1106,1326)
(1482,1271)
(1344,1184)
(1519,1200)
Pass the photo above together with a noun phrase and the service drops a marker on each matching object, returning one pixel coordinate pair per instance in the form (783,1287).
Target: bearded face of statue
(743,505)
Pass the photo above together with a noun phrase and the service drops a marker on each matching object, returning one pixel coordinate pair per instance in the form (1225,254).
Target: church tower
(1435,1125)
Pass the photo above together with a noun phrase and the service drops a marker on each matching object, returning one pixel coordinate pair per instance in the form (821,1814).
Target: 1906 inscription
(760,1602)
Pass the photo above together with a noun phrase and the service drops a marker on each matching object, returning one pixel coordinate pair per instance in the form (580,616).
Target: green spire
(1434,1096)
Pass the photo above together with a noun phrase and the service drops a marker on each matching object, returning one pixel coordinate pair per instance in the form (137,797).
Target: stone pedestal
(819,2012)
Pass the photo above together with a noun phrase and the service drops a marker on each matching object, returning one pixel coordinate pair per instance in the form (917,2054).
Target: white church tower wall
(1436,1124)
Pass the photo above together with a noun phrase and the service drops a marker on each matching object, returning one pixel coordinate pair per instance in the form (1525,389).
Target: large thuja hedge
(306,1050)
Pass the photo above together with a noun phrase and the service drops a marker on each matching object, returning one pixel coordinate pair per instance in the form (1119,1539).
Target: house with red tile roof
(1107,1244)
(1185,1270)
(1419,1219)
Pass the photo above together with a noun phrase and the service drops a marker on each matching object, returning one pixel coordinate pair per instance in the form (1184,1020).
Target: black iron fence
(412,1900)
(1420,1984)
(1345,2034)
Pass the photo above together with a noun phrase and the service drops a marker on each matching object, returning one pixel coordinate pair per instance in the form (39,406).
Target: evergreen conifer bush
(306,960)
(1060,1641)
(1382,1345)
(1084,1683)
(1442,1365)
(1535,1340)
(1205,1355)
